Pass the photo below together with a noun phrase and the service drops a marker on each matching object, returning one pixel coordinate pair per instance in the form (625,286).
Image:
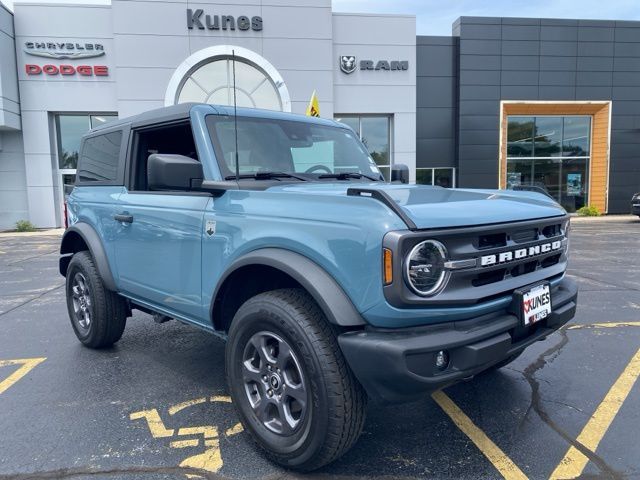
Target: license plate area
(533,303)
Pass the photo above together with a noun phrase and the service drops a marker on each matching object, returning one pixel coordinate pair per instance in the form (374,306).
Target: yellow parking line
(181,406)
(237,428)
(27,365)
(497,457)
(573,463)
(155,423)
(184,443)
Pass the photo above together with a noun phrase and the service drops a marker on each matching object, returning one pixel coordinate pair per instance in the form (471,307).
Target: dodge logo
(347,63)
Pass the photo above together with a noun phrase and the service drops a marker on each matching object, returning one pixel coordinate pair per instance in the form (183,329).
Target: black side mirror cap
(400,173)
(173,172)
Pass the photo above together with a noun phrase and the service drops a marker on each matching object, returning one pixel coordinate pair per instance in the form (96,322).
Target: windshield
(271,145)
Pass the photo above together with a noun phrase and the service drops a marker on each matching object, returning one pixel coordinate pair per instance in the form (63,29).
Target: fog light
(442,359)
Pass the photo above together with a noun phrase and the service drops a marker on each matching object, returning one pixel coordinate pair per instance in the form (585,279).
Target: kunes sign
(198,19)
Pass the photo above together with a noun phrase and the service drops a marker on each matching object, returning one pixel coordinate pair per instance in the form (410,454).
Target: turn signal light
(388,266)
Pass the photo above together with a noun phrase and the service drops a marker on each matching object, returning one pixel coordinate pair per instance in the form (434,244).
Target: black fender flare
(329,296)
(92,240)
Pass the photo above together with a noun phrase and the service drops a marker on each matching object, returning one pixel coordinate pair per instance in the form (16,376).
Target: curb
(604,218)
(52,232)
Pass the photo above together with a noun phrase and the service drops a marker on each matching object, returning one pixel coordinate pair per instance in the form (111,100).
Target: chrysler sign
(64,50)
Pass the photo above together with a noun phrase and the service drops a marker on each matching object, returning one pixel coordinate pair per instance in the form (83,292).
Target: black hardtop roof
(182,110)
(157,115)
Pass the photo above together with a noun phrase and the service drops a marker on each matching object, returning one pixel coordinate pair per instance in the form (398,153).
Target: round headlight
(424,267)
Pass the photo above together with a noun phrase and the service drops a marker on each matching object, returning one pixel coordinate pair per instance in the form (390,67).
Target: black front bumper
(399,365)
(635,209)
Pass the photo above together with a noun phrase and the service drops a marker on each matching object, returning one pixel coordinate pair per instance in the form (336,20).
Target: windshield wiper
(346,175)
(266,175)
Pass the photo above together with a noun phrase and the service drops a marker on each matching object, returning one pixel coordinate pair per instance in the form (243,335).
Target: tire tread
(347,408)
(110,312)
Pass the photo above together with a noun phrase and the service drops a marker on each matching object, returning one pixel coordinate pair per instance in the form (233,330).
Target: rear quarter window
(100,159)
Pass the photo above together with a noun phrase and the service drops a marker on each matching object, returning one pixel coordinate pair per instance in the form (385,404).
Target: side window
(174,138)
(100,157)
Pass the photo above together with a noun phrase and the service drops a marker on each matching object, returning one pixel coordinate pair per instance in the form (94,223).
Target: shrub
(588,211)
(25,226)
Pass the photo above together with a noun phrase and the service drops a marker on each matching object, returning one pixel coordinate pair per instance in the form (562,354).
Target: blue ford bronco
(330,285)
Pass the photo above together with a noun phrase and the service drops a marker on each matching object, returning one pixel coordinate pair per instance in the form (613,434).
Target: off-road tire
(334,417)
(107,309)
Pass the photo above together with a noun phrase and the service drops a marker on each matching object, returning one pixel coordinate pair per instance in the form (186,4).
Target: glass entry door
(551,152)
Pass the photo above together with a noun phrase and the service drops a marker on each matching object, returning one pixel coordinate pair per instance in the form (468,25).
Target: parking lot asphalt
(156,405)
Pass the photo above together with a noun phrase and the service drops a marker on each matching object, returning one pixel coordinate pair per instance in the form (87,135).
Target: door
(159,249)
(159,233)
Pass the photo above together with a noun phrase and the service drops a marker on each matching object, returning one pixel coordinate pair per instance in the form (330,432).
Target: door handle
(123,217)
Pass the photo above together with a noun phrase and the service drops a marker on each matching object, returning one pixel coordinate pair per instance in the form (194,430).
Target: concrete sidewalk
(605,218)
(38,233)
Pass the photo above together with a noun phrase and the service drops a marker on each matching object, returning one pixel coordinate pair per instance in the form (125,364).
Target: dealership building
(501,102)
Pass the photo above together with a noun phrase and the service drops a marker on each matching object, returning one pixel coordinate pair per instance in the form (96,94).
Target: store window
(440,177)
(213,83)
(69,131)
(552,152)
(375,133)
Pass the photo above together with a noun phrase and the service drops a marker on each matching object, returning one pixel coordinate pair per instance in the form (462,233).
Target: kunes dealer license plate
(536,304)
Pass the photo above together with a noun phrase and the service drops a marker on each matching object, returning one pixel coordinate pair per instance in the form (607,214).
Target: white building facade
(81,65)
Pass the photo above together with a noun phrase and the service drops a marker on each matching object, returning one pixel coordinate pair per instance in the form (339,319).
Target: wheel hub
(275,381)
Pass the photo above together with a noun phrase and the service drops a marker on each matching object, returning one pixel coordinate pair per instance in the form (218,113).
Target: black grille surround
(472,285)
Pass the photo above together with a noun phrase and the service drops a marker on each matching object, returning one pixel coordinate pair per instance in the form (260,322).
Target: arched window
(212,82)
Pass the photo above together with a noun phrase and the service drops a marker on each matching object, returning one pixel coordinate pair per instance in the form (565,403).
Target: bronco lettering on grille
(511,255)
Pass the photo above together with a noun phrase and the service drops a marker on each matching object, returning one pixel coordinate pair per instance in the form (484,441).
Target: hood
(437,207)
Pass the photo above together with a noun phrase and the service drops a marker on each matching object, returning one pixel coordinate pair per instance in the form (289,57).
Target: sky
(434,17)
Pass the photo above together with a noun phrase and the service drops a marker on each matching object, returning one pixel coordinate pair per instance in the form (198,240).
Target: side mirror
(173,172)
(400,173)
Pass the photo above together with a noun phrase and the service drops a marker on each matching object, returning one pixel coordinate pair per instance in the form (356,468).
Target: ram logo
(511,255)
(347,63)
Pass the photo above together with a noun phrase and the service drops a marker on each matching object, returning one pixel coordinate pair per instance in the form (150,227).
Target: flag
(313,110)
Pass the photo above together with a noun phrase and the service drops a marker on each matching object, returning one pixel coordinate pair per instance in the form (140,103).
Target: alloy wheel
(81,297)
(274,383)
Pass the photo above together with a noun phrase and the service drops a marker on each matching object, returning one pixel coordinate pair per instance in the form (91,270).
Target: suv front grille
(506,257)
(515,238)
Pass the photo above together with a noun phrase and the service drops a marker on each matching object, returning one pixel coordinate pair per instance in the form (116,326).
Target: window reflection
(548,135)
(554,156)
(69,131)
(575,142)
(375,133)
(440,177)
(520,136)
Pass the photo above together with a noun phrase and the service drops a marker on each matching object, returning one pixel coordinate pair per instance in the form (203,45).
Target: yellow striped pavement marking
(497,457)
(574,461)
